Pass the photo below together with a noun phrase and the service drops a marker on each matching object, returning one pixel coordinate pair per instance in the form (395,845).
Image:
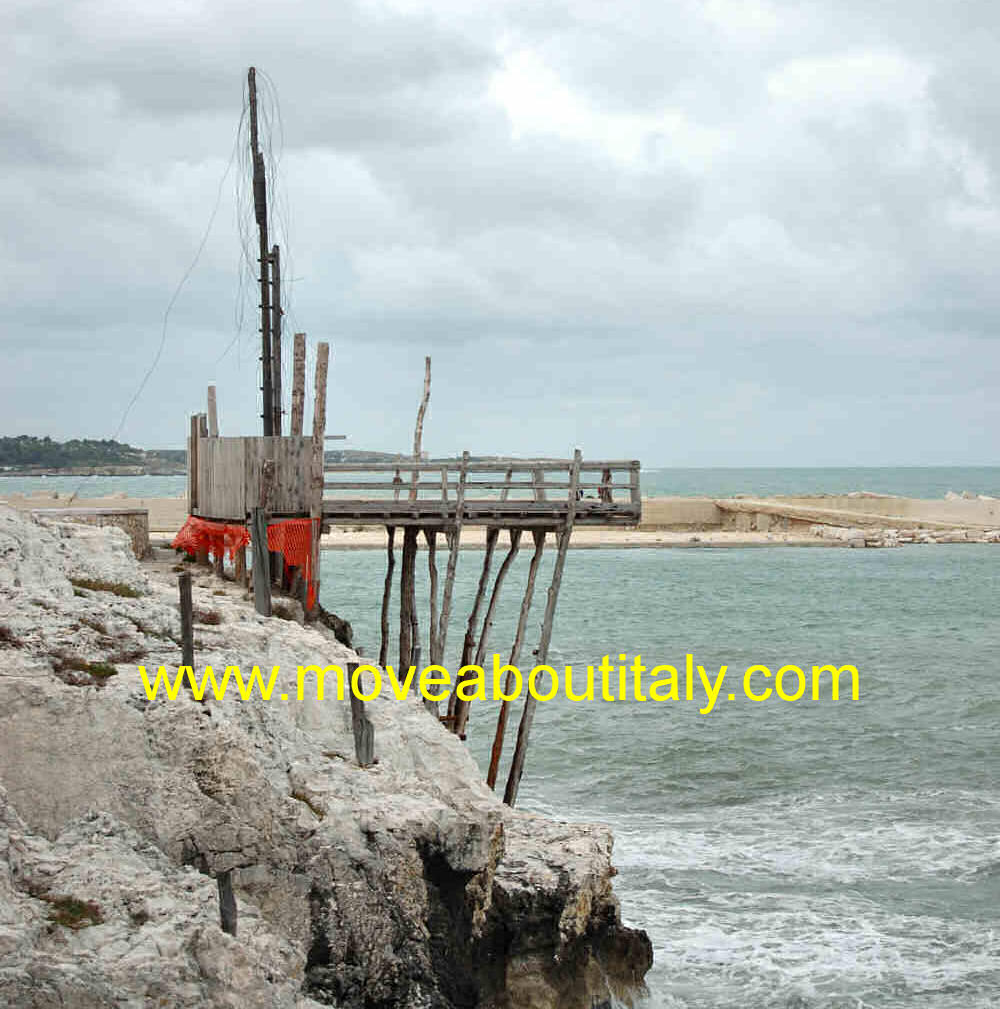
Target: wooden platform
(508,493)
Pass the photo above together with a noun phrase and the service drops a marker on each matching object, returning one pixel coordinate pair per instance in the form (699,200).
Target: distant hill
(27,454)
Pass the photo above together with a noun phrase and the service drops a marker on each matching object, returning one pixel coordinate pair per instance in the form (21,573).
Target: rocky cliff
(132,831)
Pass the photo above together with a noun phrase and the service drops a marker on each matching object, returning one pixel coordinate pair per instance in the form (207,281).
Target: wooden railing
(602,490)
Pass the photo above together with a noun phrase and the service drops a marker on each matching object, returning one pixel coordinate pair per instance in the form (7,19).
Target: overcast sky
(696,233)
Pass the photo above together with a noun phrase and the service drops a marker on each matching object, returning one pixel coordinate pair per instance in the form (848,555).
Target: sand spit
(852,520)
(129,826)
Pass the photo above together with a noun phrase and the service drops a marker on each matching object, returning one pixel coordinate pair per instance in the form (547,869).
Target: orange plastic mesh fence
(214,537)
(292,538)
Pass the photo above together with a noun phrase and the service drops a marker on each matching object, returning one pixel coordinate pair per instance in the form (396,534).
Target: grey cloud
(733,232)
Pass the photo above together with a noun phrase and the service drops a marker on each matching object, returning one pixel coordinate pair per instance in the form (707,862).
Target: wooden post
(260,212)
(227,902)
(201,556)
(240,565)
(528,714)
(276,339)
(193,466)
(515,655)
(298,382)
(364,730)
(261,562)
(319,430)
(383,651)
(213,414)
(406,592)
(258,535)
(456,707)
(431,536)
(418,432)
(187,619)
(507,478)
(454,539)
(538,480)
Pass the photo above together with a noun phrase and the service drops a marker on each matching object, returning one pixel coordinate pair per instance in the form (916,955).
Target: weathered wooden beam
(528,713)
(515,655)
(383,651)
(298,383)
(454,539)
(213,414)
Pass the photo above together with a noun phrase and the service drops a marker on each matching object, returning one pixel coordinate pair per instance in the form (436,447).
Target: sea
(810,854)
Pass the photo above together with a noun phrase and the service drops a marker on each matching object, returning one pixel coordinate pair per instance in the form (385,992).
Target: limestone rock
(403,884)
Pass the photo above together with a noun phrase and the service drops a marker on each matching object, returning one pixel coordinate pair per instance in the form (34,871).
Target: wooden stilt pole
(492,534)
(383,651)
(431,536)
(298,382)
(515,655)
(406,581)
(462,712)
(515,546)
(528,714)
(456,707)
(454,539)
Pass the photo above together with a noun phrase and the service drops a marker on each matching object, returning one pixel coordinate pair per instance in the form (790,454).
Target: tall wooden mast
(260,211)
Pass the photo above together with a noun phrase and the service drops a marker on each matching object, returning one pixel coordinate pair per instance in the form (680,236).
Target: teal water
(96,486)
(806,855)
(906,481)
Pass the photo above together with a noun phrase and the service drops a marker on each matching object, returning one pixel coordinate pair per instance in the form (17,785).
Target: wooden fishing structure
(278,484)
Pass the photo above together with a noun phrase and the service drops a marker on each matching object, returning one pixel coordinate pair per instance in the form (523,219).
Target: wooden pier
(278,493)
